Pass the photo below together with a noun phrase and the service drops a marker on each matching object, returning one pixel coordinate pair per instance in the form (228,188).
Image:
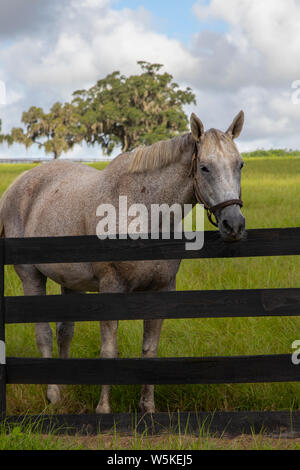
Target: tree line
(118,111)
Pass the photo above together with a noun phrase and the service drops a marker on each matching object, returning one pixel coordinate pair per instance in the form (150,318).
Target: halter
(210,210)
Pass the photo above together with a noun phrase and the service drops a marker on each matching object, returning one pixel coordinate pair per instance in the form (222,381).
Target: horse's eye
(205,169)
(241,165)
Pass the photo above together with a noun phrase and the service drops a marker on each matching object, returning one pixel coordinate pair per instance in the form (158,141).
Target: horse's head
(217,175)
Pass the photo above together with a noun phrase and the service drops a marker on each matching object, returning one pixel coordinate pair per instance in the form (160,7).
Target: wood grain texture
(186,370)
(151,305)
(259,242)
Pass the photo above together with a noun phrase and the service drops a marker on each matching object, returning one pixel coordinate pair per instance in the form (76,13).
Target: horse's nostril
(242,225)
(234,228)
(226,225)
(241,228)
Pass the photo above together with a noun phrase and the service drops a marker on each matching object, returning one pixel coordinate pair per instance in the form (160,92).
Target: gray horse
(61,199)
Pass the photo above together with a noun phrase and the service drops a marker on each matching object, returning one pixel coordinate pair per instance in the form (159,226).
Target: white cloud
(92,40)
(251,65)
(266,33)
(93,3)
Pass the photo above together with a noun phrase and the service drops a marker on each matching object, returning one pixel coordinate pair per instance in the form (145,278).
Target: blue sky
(174,18)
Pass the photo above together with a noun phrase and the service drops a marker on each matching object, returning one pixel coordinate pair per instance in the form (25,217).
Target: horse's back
(61,199)
(48,200)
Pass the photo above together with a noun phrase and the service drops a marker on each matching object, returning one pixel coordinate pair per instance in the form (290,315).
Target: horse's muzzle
(231,224)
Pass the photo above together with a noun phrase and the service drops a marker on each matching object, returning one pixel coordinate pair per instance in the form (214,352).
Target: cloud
(263,38)
(90,41)
(20,17)
(252,65)
(53,48)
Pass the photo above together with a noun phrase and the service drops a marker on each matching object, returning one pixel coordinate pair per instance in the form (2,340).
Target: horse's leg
(34,283)
(64,332)
(152,329)
(109,348)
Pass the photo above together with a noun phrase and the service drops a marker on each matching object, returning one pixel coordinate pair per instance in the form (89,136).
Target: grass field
(271,195)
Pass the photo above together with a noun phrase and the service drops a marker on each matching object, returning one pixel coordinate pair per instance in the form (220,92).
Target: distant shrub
(272,153)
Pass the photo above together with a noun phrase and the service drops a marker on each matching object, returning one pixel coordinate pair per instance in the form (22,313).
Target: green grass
(272,198)
(29,438)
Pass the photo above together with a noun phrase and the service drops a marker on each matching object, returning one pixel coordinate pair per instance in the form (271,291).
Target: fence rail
(259,242)
(147,305)
(179,370)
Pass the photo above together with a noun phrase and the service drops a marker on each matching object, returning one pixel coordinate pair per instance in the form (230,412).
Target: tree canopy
(55,132)
(3,137)
(117,111)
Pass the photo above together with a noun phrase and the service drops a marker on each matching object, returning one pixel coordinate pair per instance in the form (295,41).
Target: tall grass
(29,438)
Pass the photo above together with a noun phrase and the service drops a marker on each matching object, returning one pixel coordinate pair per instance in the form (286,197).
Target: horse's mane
(160,154)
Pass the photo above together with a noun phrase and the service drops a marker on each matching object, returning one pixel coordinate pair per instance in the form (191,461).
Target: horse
(60,198)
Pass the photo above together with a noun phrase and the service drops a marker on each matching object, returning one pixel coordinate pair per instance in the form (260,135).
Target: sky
(238,54)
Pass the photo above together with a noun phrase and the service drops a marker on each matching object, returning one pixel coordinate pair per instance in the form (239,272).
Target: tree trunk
(124,144)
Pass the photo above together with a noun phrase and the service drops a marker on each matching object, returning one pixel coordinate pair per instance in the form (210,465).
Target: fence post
(2,337)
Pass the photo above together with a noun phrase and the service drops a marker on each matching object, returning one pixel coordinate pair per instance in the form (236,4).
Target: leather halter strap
(210,210)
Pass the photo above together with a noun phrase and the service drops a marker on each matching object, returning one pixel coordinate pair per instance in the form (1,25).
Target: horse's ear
(236,126)
(196,128)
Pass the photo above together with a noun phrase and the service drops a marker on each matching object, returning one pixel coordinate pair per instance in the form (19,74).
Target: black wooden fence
(148,305)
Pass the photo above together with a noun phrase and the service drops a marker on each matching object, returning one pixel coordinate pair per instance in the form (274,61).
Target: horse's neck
(168,185)
(171,185)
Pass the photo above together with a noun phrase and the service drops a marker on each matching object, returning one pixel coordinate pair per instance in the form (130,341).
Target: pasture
(271,197)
